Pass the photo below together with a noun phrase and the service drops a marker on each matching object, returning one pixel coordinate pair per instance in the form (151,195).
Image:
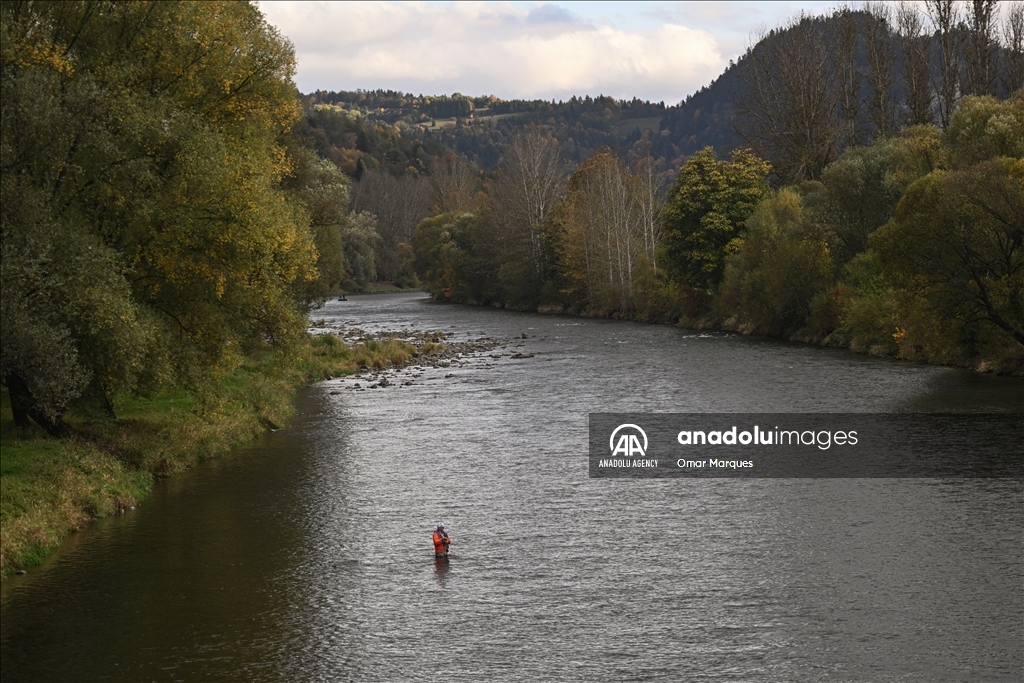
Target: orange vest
(439,543)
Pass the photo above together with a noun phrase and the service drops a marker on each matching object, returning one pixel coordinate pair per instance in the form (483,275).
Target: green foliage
(50,487)
(865,184)
(359,239)
(658,299)
(142,188)
(955,246)
(437,255)
(324,192)
(984,128)
(870,308)
(455,258)
(705,212)
(776,269)
(924,233)
(68,312)
(958,238)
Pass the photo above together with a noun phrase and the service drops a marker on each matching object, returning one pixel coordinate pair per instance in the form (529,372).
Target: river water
(305,556)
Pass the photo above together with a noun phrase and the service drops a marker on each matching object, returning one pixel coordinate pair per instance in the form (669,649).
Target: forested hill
(477,127)
(881,71)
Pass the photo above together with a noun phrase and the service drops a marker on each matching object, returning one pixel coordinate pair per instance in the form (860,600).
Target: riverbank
(698,314)
(49,487)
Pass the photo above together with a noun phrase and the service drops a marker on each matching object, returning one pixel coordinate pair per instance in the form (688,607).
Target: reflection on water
(441,567)
(307,555)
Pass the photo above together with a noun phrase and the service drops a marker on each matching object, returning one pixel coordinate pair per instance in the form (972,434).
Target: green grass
(51,487)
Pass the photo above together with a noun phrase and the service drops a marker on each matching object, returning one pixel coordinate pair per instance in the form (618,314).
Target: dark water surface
(306,555)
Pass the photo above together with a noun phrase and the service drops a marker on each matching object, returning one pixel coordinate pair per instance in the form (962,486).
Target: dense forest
(169,203)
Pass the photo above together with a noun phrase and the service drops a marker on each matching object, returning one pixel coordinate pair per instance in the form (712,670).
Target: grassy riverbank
(51,487)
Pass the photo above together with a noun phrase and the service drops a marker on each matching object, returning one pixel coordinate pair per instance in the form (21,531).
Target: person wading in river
(441,542)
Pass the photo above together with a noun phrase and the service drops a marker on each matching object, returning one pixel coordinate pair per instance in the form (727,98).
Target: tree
(788,114)
(528,183)
(979,50)
(399,204)
(775,269)
(359,241)
(705,211)
(844,64)
(148,134)
(650,197)
(958,235)
(881,54)
(914,46)
(324,192)
(603,233)
(1013,37)
(455,258)
(455,182)
(945,17)
(865,184)
(69,319)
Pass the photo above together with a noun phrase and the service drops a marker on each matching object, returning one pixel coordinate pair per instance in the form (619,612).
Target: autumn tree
(650,198)
(528,183)
(705,211)
(957,240)
(142,163)
(603,233)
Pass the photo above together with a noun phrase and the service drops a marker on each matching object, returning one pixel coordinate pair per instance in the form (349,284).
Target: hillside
(860,54)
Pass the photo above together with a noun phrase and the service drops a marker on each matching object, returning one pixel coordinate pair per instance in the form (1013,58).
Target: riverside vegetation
(50,487)
(163,236)
(910,247)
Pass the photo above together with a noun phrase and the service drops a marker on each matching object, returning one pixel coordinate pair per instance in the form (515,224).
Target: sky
(657,51)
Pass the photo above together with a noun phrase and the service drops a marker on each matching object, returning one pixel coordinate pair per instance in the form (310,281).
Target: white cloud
(541,51)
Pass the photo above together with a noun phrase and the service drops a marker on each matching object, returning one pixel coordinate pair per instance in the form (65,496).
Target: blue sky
(652,50)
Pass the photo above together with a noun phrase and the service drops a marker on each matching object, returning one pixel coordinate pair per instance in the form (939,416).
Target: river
(305,556)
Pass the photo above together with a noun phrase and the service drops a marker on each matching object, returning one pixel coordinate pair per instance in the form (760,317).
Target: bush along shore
(50,487)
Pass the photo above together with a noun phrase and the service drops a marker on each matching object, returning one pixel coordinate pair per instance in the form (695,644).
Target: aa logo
(628,444)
